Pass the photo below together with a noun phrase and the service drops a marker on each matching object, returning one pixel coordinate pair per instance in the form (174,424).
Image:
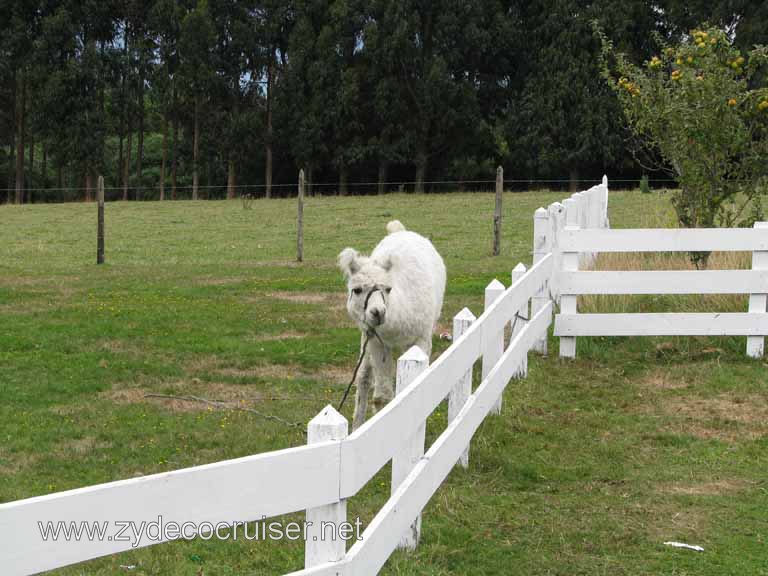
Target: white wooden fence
(318,477)
(575,244)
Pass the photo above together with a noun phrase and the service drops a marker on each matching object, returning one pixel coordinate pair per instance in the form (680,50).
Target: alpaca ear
(348,262)
(387,263)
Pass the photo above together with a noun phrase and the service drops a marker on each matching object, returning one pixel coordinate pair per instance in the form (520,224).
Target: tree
(197,69)
(694,104)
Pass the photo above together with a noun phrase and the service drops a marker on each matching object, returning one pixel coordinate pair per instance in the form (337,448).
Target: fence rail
(579,239)
(665,282)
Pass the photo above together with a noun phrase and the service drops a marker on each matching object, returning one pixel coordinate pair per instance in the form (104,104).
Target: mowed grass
(593,464)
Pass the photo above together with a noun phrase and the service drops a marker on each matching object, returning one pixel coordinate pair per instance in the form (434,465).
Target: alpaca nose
(378,315)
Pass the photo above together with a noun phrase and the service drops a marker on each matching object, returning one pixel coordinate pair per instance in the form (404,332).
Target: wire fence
(387,184)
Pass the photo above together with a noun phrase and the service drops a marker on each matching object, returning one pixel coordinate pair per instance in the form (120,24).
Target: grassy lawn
(593,464)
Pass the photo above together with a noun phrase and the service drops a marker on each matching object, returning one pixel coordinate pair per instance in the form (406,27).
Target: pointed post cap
(414,354)
(328,416)
(327,425)
(494,285)
(465,314)
(519,268)
(605,180)
(540,213)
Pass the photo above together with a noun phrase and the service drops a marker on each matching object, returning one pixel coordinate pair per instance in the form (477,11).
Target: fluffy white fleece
(404,282)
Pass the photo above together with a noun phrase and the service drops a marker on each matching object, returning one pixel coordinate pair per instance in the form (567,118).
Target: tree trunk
(21,97)
(31,169)
(127,165)
(175,121)
(123,113)
(383,169)
(268,139)
(11,160)
(231,176)
(140,147)
(195,150)
(574,180)
(343,180)
(421,161)
(165,157)
(44,168)
(88,184)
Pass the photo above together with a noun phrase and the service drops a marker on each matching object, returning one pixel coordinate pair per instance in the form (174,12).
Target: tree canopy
(210,98)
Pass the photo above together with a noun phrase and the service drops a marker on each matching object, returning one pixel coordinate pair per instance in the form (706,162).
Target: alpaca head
(368,282)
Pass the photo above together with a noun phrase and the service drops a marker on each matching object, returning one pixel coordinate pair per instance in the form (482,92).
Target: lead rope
(354,374)
(520,317)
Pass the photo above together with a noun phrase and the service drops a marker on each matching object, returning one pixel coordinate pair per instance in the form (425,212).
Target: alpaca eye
(357,291)
(388,290)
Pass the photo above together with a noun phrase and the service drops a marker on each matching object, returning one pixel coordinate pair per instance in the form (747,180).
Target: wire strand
(349,185)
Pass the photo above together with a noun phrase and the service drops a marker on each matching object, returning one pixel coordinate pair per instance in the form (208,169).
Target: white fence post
(409,366)
(463,388)
(323,543)
(493,345)
(604,223)
(542,244)
(757,302)
(570,263)
(523,315)
(556,223)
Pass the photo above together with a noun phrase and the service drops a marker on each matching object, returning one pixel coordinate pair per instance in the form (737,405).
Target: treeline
(198,98)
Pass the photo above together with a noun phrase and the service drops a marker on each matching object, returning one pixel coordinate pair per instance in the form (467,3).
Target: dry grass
(725,417)
(710,488)
(668,261)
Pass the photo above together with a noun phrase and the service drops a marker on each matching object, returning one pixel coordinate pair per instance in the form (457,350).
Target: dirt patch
(328,373)
(202,363)
(289,335)
(724,417)
(668,522)
(80,446)
(662,380)
(217,281)
(116,346)
(713,488)
(171,395)
(13,464)
(332,298)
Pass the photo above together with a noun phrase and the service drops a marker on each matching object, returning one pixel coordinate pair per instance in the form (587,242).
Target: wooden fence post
(100,226)
(757,302)
(493,345)
(556,212)
(541,246)
(409,366)
(497,211)
(523,315)
(604,221)
(323,543)
(463,388)
(300,220)
(570,263)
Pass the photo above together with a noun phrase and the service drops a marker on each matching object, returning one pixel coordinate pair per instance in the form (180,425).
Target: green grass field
(593,464)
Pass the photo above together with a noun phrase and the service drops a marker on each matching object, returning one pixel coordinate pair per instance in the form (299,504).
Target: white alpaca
(397,292)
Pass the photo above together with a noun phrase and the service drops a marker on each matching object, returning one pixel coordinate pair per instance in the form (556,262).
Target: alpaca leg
(383,375)
(363,385)
(425,344)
